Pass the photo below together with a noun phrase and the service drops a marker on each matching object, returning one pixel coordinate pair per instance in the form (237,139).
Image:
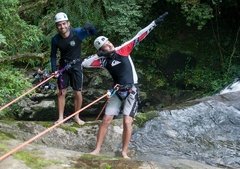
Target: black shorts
(72,77)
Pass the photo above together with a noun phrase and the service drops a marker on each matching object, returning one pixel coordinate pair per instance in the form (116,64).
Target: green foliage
(195,12)
(14,83)
(123,18)
(204,79)
(2,42)
(20,36)
(151,77)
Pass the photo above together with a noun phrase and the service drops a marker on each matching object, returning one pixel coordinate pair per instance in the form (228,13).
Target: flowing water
(233,87)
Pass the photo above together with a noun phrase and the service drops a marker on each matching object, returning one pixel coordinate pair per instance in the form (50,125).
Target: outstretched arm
(126,48)
(87,30)
(93,61)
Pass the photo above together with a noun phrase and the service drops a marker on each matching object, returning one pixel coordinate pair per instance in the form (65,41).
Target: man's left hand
(161,18)
(90,28)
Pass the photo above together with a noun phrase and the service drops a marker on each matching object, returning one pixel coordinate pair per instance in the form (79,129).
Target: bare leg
(61,104)
(127,133)
(77,106)
(102,133)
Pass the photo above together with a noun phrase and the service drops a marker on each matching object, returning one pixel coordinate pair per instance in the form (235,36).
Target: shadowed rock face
(207,131)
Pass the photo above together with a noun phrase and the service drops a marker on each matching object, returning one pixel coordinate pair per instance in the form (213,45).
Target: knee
(78,94)
(106,121)
(62,93)
(127,121)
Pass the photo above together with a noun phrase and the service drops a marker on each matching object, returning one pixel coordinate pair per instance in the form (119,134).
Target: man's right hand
(55,74)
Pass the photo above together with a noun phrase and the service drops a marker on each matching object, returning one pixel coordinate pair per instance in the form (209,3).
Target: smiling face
(63,28)
(107,47)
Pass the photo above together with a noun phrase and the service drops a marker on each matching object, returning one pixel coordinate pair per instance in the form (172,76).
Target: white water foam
(233,87)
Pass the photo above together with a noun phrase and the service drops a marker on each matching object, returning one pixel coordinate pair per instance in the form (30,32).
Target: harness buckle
(68,66)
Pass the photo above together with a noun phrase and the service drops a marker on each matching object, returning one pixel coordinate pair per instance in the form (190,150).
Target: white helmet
(60,17)
(99,41)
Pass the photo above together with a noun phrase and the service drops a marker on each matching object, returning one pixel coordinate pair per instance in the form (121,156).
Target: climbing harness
(41,75)
(111,92)
(68,65)
(124,91)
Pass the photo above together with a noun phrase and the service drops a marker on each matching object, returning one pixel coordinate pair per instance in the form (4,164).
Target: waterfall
(232,87)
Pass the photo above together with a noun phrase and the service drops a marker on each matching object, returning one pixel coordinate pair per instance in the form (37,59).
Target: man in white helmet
(119,64)
(68,41)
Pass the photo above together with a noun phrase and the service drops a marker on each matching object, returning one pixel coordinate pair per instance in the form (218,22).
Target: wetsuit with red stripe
(119,63)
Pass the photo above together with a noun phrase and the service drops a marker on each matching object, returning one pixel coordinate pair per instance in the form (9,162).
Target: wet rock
(206,130)
(43,156)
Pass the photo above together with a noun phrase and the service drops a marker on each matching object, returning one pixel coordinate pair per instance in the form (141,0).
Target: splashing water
(233,87)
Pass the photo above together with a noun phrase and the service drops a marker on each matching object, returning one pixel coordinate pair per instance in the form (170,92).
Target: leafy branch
(23,56)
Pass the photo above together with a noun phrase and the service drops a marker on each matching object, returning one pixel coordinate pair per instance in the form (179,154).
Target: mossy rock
(142,118)
(6,136)
(33,159)
(106,162)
